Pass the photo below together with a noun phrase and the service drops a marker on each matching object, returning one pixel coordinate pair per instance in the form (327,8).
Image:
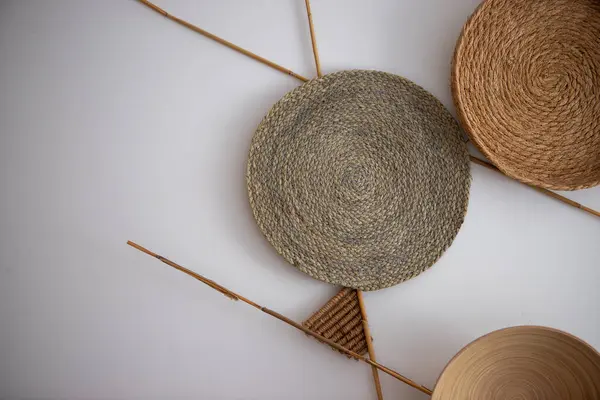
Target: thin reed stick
(547,192)
(223,41)
(313,38)
(235,296)
(369,339)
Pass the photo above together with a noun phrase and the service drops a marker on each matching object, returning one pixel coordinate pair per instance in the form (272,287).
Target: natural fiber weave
(525,362)
(340,320)
(359,178)
(526,83)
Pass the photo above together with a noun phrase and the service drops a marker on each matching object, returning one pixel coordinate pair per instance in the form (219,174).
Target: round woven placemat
(524,362)
(359,178)
(526,83)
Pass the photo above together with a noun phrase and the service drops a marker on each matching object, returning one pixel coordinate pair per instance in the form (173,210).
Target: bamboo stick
(313,38)
(235,296)
(223,41)
(369,339)
(547,192)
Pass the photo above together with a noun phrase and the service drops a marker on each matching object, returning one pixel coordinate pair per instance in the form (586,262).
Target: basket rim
(540,328)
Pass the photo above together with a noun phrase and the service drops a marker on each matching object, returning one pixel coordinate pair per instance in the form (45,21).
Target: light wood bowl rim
(517,327)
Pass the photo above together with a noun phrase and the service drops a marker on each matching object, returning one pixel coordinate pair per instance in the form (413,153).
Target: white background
(119,124)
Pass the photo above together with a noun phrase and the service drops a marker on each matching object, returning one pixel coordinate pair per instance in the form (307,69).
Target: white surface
(118,124)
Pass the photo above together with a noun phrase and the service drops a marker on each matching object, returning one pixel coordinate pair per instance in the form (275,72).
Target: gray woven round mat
(359,178)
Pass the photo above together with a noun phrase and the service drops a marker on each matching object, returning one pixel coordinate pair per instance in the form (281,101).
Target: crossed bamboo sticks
(234,296)
(303,79)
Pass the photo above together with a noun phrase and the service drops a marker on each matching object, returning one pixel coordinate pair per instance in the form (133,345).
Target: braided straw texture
(525,362)
(526,83)
(340,320)
(359,178)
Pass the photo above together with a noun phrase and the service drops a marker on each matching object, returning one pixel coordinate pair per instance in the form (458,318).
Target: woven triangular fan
(343,319)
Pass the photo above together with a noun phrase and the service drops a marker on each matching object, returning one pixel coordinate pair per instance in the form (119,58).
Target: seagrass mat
(359,178)
(523,362)
(526,83)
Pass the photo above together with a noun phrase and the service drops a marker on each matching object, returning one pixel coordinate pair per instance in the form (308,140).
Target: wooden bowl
(522,363)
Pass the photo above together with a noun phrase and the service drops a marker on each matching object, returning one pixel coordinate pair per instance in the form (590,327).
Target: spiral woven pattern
(522,363)
(359,178)
(526,83)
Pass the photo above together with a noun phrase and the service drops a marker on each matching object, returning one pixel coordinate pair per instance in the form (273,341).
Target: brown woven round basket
(523,362)
(526,84)
(359,178)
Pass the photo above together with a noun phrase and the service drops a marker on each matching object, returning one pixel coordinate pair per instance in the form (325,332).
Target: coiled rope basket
(526,84)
